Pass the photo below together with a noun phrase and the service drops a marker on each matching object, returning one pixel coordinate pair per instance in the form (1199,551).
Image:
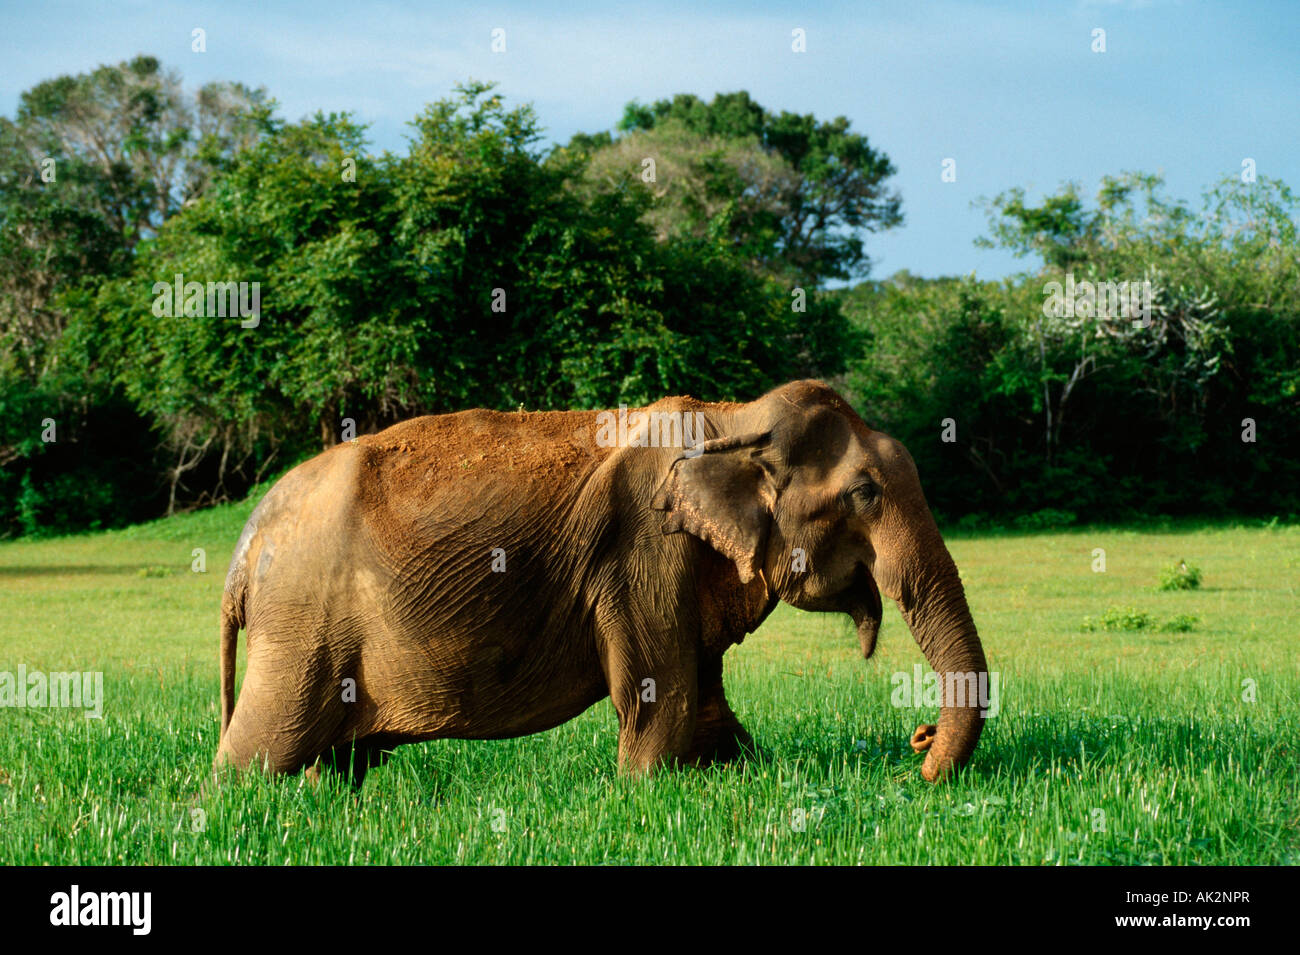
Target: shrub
(1120,618)
(1049,518)
(1129,618)
(1180,576)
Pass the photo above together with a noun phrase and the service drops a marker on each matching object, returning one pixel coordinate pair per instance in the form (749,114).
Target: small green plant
(1129,618)
(1181,623)
(1120,618)
(1180,576)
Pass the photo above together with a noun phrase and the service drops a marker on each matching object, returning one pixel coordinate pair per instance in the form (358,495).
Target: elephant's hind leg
(245,748)
(276,726)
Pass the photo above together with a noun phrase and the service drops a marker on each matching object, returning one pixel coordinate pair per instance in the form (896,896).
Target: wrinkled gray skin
(374,563)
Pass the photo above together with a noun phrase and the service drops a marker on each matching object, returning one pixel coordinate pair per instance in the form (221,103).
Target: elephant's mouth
(864,607)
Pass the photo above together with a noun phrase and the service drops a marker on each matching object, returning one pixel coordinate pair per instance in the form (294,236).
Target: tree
(805,191)
(1088,410)
(90,165)
(148,145)
(701,186)
(285,221)
(466,273)
(1133,235)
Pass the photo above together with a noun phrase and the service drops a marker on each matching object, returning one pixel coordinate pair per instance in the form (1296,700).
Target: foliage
(701,185)
(794,193)
(1188,408)
(1046,519)
(479,269)
(1120,619)
(464,274)
(90,166)
(1180,576)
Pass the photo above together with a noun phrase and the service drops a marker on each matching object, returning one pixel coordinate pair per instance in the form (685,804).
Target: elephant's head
(799,493)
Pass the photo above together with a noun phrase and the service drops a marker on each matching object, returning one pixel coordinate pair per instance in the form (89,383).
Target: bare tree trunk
(183,465)
(1047,393)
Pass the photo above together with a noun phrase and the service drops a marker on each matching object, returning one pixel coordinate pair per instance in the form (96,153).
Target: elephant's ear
(722,492)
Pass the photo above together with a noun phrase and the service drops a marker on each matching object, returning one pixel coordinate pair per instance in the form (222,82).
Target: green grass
(1111,746)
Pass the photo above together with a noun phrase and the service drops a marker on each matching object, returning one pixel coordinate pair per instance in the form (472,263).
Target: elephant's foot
(924,736)
(720,743)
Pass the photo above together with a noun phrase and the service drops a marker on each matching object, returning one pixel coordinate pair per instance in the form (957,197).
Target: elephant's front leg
(718,737)
(655,695)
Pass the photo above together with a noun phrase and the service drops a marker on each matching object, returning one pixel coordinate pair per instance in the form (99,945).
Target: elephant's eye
(863,496)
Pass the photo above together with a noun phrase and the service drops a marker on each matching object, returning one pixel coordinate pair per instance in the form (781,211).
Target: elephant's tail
(232,618)
(229,646)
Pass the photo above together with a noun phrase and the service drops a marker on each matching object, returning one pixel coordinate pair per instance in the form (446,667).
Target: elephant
(487,575)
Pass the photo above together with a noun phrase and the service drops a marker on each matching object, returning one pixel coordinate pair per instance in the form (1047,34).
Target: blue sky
(1012,91)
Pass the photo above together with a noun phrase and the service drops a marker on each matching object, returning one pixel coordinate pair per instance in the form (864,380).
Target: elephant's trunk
(940,621)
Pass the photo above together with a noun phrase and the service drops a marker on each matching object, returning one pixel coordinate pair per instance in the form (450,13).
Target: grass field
(1110,746)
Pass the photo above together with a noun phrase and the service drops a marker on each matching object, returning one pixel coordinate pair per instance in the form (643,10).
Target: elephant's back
(459,467)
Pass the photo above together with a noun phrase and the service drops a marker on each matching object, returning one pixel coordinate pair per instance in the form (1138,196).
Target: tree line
(690,250)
